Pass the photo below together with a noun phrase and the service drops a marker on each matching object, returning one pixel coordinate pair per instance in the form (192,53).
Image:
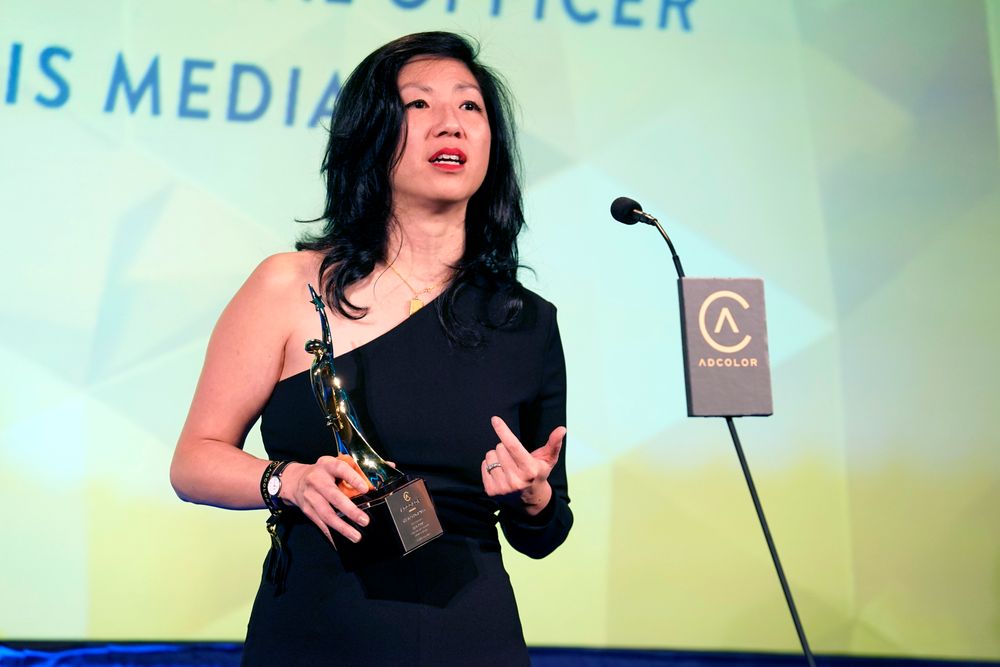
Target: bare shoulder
(249,343)
(284,271)
(267,304)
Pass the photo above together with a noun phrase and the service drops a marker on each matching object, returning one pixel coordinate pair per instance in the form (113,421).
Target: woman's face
(447,135)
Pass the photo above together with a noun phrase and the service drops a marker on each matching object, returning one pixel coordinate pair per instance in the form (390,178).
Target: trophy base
(401,519)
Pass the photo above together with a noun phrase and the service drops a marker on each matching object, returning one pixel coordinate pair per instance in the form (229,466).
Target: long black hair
(365,129)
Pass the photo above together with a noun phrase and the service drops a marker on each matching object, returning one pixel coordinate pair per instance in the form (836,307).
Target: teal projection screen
(843,150)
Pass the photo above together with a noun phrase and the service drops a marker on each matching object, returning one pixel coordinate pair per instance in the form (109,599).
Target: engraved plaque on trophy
(400,510)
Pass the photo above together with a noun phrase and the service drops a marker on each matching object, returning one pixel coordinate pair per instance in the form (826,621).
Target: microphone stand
(799,630)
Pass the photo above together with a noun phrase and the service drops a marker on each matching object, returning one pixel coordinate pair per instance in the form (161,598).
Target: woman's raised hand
(511,470)
(324,487)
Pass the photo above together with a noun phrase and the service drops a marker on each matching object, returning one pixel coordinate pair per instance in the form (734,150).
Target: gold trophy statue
(400,509)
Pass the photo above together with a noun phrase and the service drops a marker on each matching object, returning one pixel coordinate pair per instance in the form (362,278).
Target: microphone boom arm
(673,253)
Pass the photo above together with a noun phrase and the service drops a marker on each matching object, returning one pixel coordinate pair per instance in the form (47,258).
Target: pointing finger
(503,431)
(510,441)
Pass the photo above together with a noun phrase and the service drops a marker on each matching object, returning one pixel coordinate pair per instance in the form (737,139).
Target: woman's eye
(416,104)
(471,106)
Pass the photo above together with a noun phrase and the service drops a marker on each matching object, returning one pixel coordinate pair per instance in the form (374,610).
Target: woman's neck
(423,246)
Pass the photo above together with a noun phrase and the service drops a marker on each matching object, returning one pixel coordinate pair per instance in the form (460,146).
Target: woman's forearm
(210,472)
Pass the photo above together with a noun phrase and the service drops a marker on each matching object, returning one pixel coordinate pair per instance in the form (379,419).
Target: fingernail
(363,520)
(495,420)
(356,537)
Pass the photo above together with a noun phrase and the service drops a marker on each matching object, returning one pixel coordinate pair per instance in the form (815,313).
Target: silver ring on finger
(491,466)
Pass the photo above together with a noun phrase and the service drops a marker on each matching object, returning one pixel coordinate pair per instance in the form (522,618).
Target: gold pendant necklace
(415,302)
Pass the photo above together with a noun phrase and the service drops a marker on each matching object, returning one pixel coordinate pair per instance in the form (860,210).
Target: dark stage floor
(65,654)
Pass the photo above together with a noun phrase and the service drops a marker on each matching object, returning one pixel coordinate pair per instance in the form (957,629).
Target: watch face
(273,486)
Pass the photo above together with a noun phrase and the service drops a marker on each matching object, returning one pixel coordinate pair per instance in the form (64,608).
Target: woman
(423,209)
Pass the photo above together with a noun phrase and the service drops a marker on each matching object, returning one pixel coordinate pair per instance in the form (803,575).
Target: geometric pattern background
(845,151)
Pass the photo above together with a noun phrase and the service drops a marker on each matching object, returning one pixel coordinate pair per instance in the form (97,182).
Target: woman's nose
(447,124)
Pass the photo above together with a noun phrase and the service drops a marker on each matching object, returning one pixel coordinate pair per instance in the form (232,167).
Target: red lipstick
(448,159)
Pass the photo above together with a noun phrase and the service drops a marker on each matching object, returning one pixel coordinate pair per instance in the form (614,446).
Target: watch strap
(273,469)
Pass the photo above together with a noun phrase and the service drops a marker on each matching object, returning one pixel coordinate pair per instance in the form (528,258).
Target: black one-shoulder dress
(426,405)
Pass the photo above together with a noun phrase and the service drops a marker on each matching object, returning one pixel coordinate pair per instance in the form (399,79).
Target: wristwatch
(270,486)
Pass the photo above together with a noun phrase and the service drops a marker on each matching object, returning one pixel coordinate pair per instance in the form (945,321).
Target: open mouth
(448,157)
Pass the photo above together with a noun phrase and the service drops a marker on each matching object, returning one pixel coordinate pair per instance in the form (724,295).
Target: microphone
(629,211)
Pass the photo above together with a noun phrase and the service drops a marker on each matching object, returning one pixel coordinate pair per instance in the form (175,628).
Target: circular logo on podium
(725,320)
